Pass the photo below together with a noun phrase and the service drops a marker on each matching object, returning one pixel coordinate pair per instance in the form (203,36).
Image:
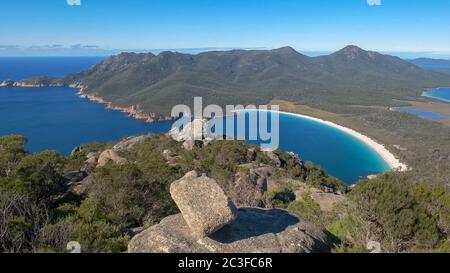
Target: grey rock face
(250,184)
(128,143)
(209,223)
(273,157)
(203,203)
(189,145)
(75,176)
(198,129)
(91,159)
(82,186)
(253,231)
(110,155)
(171,157)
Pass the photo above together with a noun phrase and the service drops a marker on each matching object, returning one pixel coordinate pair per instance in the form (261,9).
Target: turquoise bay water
(339,153)
(57,119)
(442,94)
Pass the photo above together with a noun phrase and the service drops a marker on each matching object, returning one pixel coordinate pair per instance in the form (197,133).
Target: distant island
(434,64)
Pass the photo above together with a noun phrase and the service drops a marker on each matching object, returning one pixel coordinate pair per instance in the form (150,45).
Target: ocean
(442,94)
(339,153)
(57,119)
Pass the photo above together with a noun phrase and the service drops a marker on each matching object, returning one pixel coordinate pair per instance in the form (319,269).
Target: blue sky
(420,26)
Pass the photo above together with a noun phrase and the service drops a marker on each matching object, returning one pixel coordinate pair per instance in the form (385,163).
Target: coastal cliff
(134,111)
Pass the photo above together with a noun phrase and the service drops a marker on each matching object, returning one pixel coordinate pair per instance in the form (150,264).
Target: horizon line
(95,51)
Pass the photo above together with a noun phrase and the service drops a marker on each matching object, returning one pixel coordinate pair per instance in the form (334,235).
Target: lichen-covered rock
(171,157)
(91,159)
(110,155)
(203,204)
(253,231)
(129,143)
(250,183)
(82,186)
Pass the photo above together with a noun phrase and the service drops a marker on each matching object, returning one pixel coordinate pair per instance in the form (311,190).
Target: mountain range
(433,64)
(155,83)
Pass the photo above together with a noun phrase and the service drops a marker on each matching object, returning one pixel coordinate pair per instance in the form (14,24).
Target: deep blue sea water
(57,119)
(18,68)
(442,94)
(337,152)
(421,113)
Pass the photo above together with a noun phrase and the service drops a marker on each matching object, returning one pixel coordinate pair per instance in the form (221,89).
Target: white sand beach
(387,156)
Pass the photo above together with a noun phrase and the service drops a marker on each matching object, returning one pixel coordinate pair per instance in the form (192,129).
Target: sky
(414,27)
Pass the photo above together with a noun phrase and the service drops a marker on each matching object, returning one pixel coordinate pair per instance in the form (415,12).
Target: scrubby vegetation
(41,212)
(402,216)
(405,212)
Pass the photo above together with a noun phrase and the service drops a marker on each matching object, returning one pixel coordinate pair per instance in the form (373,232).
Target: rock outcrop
(253,231)
(250,184)
(128,143)
(91,158)
(172,158)
(192,193)
(198,129)
(206,209)
(326,200)
(82,186)
(110,155)
(7,83)
(195,134)
(75,176)
(273,157)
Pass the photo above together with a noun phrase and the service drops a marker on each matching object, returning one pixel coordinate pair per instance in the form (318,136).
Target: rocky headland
(210,223)
(134,111)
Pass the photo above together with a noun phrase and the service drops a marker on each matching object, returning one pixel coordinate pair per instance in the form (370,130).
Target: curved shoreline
(393,163)
(381,150)
(132,111)
(426,95)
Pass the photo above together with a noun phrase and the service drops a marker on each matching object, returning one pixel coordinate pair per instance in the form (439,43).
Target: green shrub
(307,209)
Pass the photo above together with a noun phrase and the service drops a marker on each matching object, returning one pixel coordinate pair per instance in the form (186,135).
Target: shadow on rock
(253,222)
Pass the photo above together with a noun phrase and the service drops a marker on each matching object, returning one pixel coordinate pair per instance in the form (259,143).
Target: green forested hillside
(349,76)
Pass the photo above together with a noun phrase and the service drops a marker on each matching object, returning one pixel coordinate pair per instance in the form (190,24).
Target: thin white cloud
(73,2)
(374,2)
